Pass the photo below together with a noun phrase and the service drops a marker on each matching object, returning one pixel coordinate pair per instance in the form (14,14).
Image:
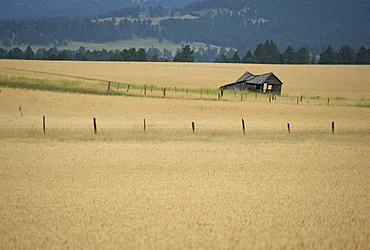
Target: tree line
(267,53)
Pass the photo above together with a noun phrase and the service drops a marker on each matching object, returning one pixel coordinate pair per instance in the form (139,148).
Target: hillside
(35,8)
(311,24)
(239,24)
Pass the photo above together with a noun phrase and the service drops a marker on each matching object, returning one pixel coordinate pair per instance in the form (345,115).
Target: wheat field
(171,188)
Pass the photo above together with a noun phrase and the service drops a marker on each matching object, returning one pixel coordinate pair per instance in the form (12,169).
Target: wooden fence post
(288,128)
(332,127)
(144,125)
(193,126)
(145,89)
(243,126)
(328,101)
(164,92)
(128,88)
(219,96)
(95,129)
(117,87)
(241,97)
(43,125)
(108,85)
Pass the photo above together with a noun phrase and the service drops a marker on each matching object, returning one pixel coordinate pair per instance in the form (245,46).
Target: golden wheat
(168,187)
(308,80)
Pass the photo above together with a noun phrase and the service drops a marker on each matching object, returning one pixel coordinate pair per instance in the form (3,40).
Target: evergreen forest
(267,53)
(305,31)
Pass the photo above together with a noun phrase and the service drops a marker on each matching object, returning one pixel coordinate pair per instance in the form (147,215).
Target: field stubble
(171,188)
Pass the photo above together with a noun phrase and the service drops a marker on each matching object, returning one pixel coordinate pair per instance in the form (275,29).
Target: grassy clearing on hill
(120,45)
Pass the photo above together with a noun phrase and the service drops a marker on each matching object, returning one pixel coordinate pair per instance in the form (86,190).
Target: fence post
(128,88)
(144,125)
(164,92)
(241,97)
(117,87)
(328,101)
(243,126)
(193,126)
(108,85)
(288,128)
(43,125)
(332,127)
(145,89)
(95,130)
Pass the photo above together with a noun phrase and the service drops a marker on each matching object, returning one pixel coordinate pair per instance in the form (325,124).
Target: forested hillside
(39,8)
(240,24)
(313,24)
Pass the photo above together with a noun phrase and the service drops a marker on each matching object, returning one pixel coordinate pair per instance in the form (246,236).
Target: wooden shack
(266,83)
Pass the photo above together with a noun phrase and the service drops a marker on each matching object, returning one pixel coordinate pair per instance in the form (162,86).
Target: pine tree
(302,56)
(186,55)
(328,57)
(288,56)
(236,58)
(141,56)
(249,58)
(30,55)
(363,56)
(347,55)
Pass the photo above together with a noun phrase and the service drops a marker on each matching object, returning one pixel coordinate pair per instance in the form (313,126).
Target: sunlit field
(147,180)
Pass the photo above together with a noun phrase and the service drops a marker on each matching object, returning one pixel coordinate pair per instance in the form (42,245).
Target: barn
(266,83)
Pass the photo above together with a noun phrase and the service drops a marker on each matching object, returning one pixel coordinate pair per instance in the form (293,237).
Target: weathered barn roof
(248,77)
(256,83)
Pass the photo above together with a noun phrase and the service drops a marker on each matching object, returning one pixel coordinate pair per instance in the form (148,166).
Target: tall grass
(96,88)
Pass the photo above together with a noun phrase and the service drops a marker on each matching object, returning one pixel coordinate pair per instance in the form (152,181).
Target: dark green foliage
(363,56)
(345,56)
(328,57)
(249,58)
(302,57)
(288,56)
(238,24)
(236,58)
(186,55)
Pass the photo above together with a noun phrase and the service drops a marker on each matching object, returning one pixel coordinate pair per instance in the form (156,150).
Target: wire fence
(96,126)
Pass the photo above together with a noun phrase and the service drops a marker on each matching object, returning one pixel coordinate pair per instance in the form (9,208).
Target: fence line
(194,126)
